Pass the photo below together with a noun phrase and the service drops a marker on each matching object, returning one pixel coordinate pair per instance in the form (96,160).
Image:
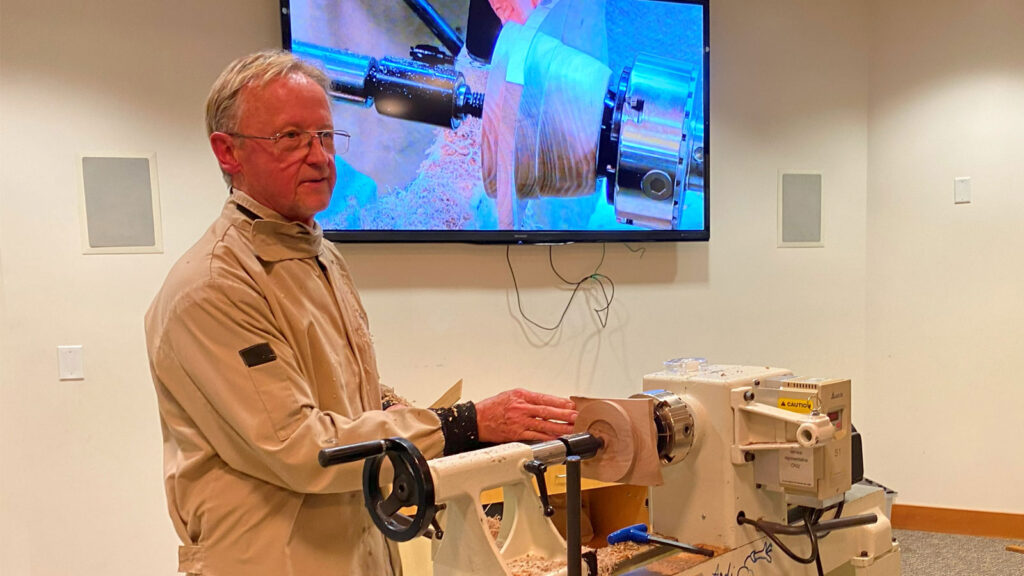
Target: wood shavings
(447,193)
(530,565)
(611,557)
(494,526)
(389,396)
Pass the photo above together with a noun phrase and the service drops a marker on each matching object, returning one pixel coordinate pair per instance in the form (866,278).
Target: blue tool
(638,533)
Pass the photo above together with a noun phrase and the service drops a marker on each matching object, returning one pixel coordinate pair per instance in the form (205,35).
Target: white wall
(945,311)
(81,461)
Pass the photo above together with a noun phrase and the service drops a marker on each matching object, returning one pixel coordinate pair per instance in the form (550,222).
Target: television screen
(513,121)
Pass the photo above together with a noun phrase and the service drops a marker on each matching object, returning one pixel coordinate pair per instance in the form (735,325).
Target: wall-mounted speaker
(120,205)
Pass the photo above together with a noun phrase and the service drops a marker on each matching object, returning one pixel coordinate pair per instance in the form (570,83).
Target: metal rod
(681,546)
(441,29)
(550,453)
(826,526)
(555,451)
(573,511)
(848,522)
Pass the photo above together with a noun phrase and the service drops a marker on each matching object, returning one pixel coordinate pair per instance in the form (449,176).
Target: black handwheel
(412,485)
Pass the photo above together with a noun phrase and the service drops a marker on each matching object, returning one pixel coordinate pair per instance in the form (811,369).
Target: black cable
(818,514)
(770,532)
(816,518)
(824,526)
(595,276)
(551,261)
(641,249)
(812,523)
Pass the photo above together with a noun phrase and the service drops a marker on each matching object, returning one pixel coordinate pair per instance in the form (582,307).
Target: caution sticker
(798,405)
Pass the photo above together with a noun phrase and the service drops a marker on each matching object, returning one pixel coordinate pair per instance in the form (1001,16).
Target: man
(261,355)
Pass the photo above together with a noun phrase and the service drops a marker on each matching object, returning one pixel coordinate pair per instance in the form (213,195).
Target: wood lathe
(748,463)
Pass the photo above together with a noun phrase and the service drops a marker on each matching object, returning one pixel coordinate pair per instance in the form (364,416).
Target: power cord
(812,525)
(606,284)
(818,513)
(771,530)
(641,250)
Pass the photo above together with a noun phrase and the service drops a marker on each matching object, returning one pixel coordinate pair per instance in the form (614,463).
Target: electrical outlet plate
(69,362)
(962,190)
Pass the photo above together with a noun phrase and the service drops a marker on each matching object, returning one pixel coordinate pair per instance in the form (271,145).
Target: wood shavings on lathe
(530,565)
(447,190)
(609,559)
(494,526)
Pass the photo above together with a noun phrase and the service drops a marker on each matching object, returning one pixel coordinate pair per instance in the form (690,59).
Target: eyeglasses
(291,142)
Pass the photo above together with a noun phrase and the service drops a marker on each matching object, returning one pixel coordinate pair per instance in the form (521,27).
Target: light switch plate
(69,362)
(962,190)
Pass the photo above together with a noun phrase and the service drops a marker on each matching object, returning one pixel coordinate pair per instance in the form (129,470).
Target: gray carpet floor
(932,554)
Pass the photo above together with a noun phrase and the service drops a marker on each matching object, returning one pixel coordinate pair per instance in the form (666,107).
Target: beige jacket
(261,356)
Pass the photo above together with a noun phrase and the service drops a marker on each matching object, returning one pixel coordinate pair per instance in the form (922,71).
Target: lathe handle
(351,453)
(636,533)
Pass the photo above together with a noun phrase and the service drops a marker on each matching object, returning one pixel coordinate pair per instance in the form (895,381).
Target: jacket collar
(274,238)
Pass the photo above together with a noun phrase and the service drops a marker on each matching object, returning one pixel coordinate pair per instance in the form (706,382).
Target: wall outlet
(69,362)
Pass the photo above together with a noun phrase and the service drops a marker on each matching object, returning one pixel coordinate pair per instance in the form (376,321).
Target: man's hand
(523,415)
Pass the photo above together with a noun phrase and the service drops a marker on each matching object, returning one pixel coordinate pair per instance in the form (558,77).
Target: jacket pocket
(274,386)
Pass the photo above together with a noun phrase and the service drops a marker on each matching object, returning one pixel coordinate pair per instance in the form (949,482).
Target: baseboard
(953,521)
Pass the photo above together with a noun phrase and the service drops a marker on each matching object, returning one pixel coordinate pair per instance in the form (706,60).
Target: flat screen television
(497,121)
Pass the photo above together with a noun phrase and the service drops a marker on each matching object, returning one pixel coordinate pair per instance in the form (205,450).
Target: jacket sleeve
(222,357)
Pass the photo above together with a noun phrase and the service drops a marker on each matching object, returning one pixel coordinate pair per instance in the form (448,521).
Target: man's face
(297,185)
